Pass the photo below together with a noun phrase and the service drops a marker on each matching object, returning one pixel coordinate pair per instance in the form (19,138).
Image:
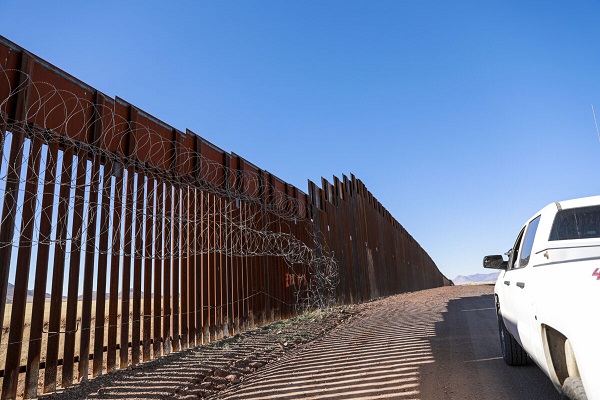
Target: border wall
(123,239)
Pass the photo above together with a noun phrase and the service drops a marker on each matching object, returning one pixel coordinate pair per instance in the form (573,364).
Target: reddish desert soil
(434,344)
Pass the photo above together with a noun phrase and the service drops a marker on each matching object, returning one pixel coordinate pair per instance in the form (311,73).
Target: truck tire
(572,389)
(512,352)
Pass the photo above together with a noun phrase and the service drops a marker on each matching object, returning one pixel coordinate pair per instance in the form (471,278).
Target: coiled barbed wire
(185,204)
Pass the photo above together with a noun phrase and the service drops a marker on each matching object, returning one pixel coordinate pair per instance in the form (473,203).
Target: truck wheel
(573,389)
(512,352)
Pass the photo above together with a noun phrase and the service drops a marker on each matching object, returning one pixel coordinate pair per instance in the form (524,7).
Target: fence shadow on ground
(380,356)
(206,370)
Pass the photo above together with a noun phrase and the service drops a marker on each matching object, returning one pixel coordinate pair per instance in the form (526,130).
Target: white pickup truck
(548,296)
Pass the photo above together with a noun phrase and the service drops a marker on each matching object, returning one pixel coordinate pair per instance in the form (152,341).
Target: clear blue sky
(463,118)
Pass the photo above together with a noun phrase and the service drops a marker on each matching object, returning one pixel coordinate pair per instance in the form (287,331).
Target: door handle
(521,284)
(507,283)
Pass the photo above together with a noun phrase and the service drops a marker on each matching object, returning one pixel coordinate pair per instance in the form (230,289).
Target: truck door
(519,287)
(507,303)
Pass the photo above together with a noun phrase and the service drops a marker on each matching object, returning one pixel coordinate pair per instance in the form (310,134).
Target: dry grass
(26,336)
(26,332)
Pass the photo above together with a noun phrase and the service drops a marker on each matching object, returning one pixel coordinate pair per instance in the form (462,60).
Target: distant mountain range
(10,293)
(476,278)
(107,295)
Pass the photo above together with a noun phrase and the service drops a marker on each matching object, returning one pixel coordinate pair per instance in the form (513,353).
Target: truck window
(528,242)
(514,253)
(576,223)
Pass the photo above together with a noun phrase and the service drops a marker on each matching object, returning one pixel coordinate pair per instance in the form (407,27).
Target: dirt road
(434,344)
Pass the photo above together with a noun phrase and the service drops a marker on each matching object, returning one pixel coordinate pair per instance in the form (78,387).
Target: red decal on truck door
(597,274)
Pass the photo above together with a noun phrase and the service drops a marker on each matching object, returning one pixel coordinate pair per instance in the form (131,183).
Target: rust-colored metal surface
(13,173)
(137,269)
(72,326)
(149,240)
(127,231)
(158,255)
(148,256)
(89,273)
(113,305)
(59,263)
(167,261)
(17,320)
(99,324)
(39,296)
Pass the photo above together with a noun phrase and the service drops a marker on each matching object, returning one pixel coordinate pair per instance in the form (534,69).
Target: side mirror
(494,262)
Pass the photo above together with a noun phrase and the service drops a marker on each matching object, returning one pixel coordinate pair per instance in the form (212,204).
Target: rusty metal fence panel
(123,239)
